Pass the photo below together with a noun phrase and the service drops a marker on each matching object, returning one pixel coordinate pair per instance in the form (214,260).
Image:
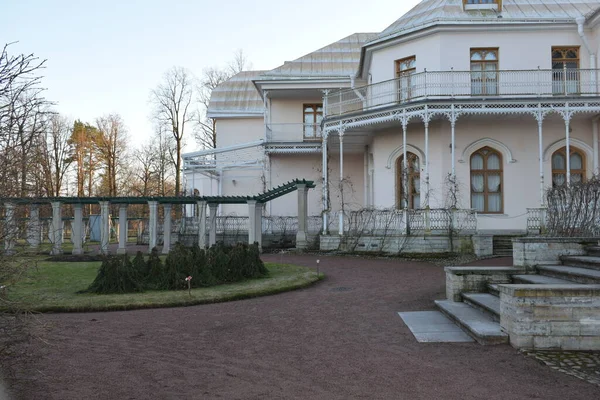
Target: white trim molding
(580,144)
(400,150)
(495,144)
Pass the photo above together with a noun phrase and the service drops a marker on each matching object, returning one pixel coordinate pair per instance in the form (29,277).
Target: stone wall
(397,244)
(531,251)
(565,317)
(474,279)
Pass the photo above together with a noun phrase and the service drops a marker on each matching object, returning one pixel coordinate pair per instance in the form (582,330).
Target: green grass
(53,287)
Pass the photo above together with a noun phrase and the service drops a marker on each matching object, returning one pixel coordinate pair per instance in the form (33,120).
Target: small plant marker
(189,283)
(318,261)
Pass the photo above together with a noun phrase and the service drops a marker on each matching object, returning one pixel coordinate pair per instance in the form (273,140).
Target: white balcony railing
(464,85)
(295,132)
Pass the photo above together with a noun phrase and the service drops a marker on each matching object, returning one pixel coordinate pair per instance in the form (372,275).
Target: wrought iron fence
(463,84)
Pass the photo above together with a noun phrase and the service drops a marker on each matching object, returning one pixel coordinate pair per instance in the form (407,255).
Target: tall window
(486,181)
(559,166)
(414,181)
(405,68)
(313,115)
(565,70)
(484,71)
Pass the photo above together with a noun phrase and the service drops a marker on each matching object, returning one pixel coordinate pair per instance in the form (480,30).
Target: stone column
(252,204)
(10,229)
(152,225)
(202,224)
(166,229)
(212,229)
(122,249)
(301,240)
(34,228)
(56,228)
(104,226)
(77,231)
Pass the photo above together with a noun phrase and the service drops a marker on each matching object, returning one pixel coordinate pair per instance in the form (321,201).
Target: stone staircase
(503,245)
(478,314)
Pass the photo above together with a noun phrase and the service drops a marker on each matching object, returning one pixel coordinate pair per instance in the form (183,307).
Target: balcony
(463,85)
(294,132)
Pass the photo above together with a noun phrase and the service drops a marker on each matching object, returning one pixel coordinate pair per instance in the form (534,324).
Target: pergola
(254,212)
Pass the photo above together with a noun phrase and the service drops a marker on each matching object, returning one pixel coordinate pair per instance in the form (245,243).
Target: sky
(106,56)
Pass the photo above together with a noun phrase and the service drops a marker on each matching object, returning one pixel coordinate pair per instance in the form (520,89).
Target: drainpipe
(580,21)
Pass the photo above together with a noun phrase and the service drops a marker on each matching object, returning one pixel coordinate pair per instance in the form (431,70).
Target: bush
(116,275)
(219,264)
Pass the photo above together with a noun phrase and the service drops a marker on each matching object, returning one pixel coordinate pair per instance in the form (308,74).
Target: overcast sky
(106,56)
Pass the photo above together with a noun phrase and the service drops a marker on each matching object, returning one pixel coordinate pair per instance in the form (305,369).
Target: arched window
(486,181)
(414,181)
(559,166)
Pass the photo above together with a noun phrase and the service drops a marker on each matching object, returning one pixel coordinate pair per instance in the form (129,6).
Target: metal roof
(430,12)
(338,59)
(237,95)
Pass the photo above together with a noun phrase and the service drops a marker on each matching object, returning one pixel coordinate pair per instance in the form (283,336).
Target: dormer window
(495,5)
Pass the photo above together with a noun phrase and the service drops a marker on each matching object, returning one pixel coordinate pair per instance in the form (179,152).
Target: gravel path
(340,339)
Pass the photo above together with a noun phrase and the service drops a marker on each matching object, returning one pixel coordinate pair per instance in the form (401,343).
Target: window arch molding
(580,144)
(399,151)
(494,144)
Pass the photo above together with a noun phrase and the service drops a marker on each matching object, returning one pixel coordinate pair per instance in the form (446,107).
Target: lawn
(53,287)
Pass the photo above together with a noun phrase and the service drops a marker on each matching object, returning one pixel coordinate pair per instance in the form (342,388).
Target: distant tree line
(44,154)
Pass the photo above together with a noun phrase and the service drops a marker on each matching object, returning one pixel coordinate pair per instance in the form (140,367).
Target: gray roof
(338,59)
(238,95)
(430,12)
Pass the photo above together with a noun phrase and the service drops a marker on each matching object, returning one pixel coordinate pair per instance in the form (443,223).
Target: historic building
(472,105)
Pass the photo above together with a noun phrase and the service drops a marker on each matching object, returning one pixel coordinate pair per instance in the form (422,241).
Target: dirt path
(341,339)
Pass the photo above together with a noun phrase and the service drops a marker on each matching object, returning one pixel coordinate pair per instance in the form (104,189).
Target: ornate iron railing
(536,220)
(463,85)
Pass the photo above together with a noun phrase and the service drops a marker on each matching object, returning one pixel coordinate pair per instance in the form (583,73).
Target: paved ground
(340,339)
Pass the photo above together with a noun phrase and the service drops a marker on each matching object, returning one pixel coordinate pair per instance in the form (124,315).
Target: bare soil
(340,339)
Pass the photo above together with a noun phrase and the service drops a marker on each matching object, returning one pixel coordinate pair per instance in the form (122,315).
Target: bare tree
(111,146)
(56,154)
(205,131)
(173,108)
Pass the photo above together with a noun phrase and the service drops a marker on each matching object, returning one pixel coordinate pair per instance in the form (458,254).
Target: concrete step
(493,289)
(539,280)
(476,323)
(574,274)
(593,251)
(485,302)
(589,262)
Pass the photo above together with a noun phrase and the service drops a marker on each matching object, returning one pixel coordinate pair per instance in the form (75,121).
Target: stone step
(589,262)
(574,274)
(476,323)
(539,280)
(493,289)
(485,302)
(593,251)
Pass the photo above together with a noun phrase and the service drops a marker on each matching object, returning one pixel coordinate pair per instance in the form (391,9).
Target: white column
(34,228)
(104,226)
(540,120)
(122,229)
(258,227)
(56,228)
(427,184)
(341,216)
(255,222)
(595,144)
(152,225)
(404,166)
(77,231)
(166,229)
(325,167)
(301,236)
(212,221)
(202,224)
(568,147)
(453,143)
(10,233)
